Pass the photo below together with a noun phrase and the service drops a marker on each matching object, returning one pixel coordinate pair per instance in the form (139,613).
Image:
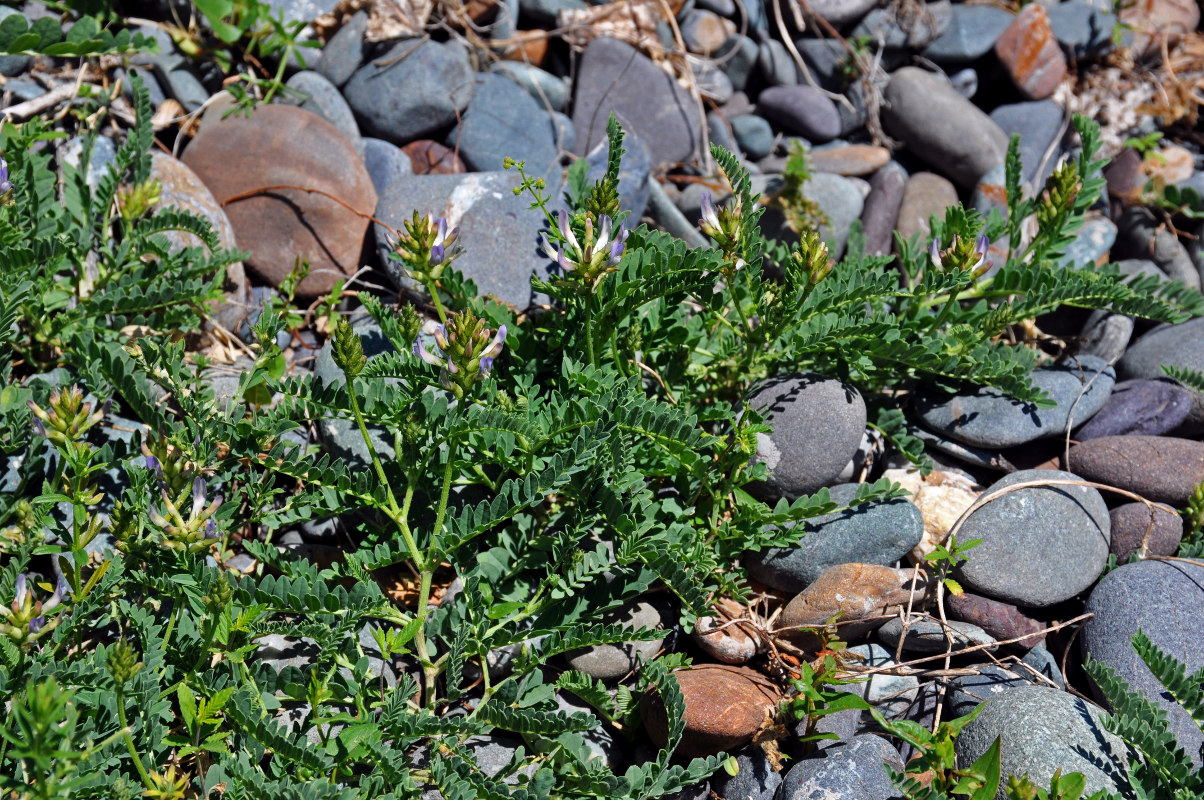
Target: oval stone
(1133,524)
(1040,545)
(1144,407)
(855,591)
(725,707)
(1159,468)
(852,770)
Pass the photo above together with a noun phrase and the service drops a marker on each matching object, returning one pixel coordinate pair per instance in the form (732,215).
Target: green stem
(433,289)
(589,330)
(129,741)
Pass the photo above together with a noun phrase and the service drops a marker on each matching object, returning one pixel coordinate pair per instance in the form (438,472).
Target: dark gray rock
(1082,27)
(669,218)
(714,84)
(12,66)
(635,171)
(659,111)
(1105,335)
(1039,123)
(724,8)
(1092,243)
(912,29)
(182,84)
(386,163)
(344,52)
(989,418)
(411,92)
(880,211)
(840,201)
(893,695)
(601,742)
(871,533)
(1179,345)
(341,437)
(1134,524)
(942,128)
(315,93)
(1165,600)
(971,34)
(817,424)
(28,90)
(542,85)
(499,231)
(927,635)
(544,12)
(1043,730)
(1142,234)
(610,662)
(850,770)
(826,59)
(1043,663)
(504,121)
(756,779)
(753,134)
(718,133)
(1040,545)
(740,53)
(803,110)
(1164,469)
(1147,407)
(967,692)
(842,12)
(776,65)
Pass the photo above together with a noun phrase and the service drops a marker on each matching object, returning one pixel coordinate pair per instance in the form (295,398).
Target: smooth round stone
(881,209)
(1130,524)
(871,533)
(714,84)
(756,778)
(315,93)
(717,132)
(967,692)
(1142,234)
(414,90)
(989,418)
(282,145)
(1179,345)
(1043,730)
(705,31)
(893,695)
(906,29)
(926,635)
(801,110)
(566,134)
(1031,54)
(848,770)
(926,194)
(609,662)
(849,159)
(825,59)
(1105,335)
(776,64)
(1081,26)
(102,157)
(841,12)
(431,158)
(856,592)
(1000,620)
(1043,663)
(965,82)
(661,112)
(182,188)
(504,121)
(1040,545)
(817,424)
(542,85)
(725,707)
(724,8)
(942,128)
(1143,407)
(991,193)
(753,134)
(1038,122)
(344,52)
(1159,468)
(742,59)
(971,34)
(1166,601)
(840,201)
(1091,244)
(385,162)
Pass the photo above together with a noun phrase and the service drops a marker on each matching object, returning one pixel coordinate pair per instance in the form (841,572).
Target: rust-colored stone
(528,46)
(856,591)
(849,159)
(725,707)
(1031,53)
(1001,620)
(431,158)
(281,145)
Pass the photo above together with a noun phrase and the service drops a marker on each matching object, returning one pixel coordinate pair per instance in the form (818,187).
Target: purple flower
(426,355)
(38,427)
(934,254)
(21,590)
(198,495)
(154,466)
(495,346)
(5,185)
(710,218)
(486,365)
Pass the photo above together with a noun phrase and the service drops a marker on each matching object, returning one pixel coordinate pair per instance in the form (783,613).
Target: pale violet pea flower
(6,185)
(599,254)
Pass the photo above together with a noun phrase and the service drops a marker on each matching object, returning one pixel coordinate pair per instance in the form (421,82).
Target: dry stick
(911,594)
(37,105)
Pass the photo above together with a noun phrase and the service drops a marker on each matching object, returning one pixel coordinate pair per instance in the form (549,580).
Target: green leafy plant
(87,37)
(933,774)
(1061,787)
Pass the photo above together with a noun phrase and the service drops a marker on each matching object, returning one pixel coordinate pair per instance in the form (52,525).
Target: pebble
(1169,164)
(183,85)
(753,134)
(705,31)
(635,170)
(431,158)
(566,134)
(1031,54)
(385,162)
(881,209)
(499,230)
(182,188)
(610,662)
(1124,176)
(1038,123)
(941,127)
(926,194)
(1043,663)
(755,780)
(801,110)
(730,645)
(725,707)
(988,418)
(504,121)
(1130,523)
(776,64)
(102,157)
(840,201)
(1040,545)
(892,695)
(998,619)
(1082,27)
(660,112)
(826,60)
(344,52)
(670,219)
(714,84)
(841,12)
(856,591)
(1143,234)
(741,54)
(928,635)
(852,770)
(314,93)
(972,32)
(880,532)
(817,424)
(1105,335)
(967,692)
(542,85)
(1145,407)
(849,159)
(1166,601)
(1159,468)
(1091,244)
(281,145)
(914,28)
(412,91)
(991,195)
(1179,345)
(341,438)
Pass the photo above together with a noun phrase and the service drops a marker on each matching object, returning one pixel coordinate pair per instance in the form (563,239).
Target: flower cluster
(69,416)
(426,247)
(192,535)
(468,350)
(962,255)
(723,226)
(6,185)
(25,620)
(810,257)
(592,256)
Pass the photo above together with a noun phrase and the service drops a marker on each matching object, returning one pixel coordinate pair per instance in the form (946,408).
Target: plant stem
(589,330)
(433,289)
(129,741)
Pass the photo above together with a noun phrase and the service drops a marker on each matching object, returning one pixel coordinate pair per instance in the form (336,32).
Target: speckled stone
(1040,545)
(1031,54)
(852,770)
(1143,407)
(967,692)
(1130,523)
(1164,469)
(892,695)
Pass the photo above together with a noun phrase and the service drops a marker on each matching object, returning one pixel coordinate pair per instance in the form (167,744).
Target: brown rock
(432,158)
(725,707)
(856,591)
(729,643)
(1124,176)
(708,31)
(284,145)
(1001,620)
(1159,468)
(1130,524)
(925,194)
(849,159)
(1152,19)
(528,46)
(1171,164)
(182,188)
(1031,54)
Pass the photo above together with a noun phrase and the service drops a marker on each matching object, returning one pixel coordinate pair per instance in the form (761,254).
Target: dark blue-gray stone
(313,92)
(893,695)
(1081,26)
(714,84)
(184,86)
(718,133)
(1040,545)
(609,662)
(826,59)
(412,91)
(880,532)
(724,8)
(544,12)
(500,233)
(669,218)
(841,12)
(775,64)
(840,201)
(880,209)
(635,170)
(971,34)
(740,53)
(817,424)
(853,770)
(755,780)
(149,82)
(1166,601)
(11,66)
(753,134)
(542,85)
(1042,730)
(1038,122)
(385,162)
(1040,659)
(927,635)
(24,90)
(1143,234)
(967,692)
(566,134)
(1149,407)
(899,29)
(344,52)
(1093,241)
(988,418)
(1179,345)
(800,109)
(504,121)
